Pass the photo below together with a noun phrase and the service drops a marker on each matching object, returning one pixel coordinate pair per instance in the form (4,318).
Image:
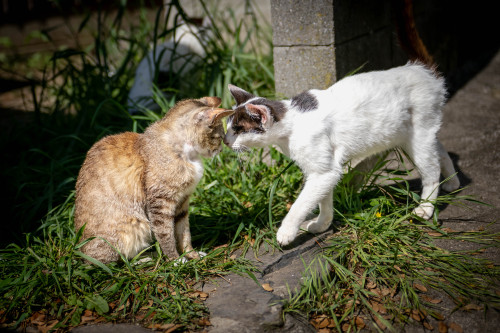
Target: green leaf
(99,304)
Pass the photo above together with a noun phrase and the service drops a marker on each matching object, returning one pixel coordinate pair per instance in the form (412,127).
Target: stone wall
(317,42)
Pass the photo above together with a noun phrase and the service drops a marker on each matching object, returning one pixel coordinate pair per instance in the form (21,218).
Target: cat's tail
(408,36)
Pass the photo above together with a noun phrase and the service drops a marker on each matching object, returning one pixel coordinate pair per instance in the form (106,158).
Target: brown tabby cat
(132,186)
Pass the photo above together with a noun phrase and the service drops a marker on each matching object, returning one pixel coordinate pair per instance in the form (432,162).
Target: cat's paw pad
(317,226)
(285,236)
(180,261)
(424,211)
(451,185)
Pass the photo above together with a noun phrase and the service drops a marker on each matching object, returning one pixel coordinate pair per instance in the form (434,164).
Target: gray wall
(317,42)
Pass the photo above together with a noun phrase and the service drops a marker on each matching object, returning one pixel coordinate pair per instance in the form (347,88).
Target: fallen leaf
(247,204)
(417,315)
(379,323)
(420,287)
(456,327)
(371,285)
(324,323)
(360,323)
(204,322)
(396,267)
(448,230)
(324,330)
(435,234)
(38,318)
(249,240)
(431,300)
(438,316)
(442,328)
(267,287)
(428,326)
(172,329)
(48,327)
(288,206)
(471,307)
(346,327)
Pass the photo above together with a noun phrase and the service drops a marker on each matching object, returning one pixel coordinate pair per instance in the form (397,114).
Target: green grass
(45,281)
(381,262)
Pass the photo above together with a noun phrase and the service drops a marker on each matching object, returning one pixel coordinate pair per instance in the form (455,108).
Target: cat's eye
(237,129)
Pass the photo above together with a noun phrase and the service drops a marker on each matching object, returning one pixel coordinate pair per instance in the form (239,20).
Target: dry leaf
(396,267)
(204,322)
(324,330)
(431,300)
(471,307)
(420,287)
(417,315)
(371,285)
(172,329)
(48,327)
(360,323)
(428,326)
(346,327)
(324,323)
(249,240)
(267,287)
(220,246)
(438,316)
(288,206)
(456,327)
(448,230)
(442,328)
(379,323)
(38,318)
(435,234)
(247,204)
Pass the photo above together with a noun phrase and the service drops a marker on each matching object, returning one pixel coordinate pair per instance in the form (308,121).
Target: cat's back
(114,154)
(404,80)
(111,172)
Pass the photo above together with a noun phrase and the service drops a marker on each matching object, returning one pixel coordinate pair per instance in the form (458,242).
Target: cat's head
(252,121)
(207,131)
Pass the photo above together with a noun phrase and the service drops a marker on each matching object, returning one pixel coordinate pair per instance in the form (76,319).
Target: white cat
(177,55)
(357,117)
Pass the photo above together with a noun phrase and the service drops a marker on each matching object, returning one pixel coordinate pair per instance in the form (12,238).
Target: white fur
(357,117)
(194,158)
(179,55)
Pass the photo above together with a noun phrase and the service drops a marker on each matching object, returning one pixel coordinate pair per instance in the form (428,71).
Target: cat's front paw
(425,211)
(285,235)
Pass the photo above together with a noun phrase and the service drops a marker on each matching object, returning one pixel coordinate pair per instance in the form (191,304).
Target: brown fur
(133,186)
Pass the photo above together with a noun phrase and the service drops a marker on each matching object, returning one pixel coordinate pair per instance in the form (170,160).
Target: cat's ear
(240,95)
(212,101)
(260,111)
(215,115)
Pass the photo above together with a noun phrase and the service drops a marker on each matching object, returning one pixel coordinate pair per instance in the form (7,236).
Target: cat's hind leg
(423,150)
(448,170)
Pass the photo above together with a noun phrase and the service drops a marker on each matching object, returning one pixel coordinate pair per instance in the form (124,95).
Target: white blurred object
(178,55)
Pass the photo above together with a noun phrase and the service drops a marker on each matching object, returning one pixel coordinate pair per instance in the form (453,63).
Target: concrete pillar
(317,42)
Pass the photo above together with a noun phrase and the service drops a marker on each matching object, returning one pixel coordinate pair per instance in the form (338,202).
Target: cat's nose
(226,142)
